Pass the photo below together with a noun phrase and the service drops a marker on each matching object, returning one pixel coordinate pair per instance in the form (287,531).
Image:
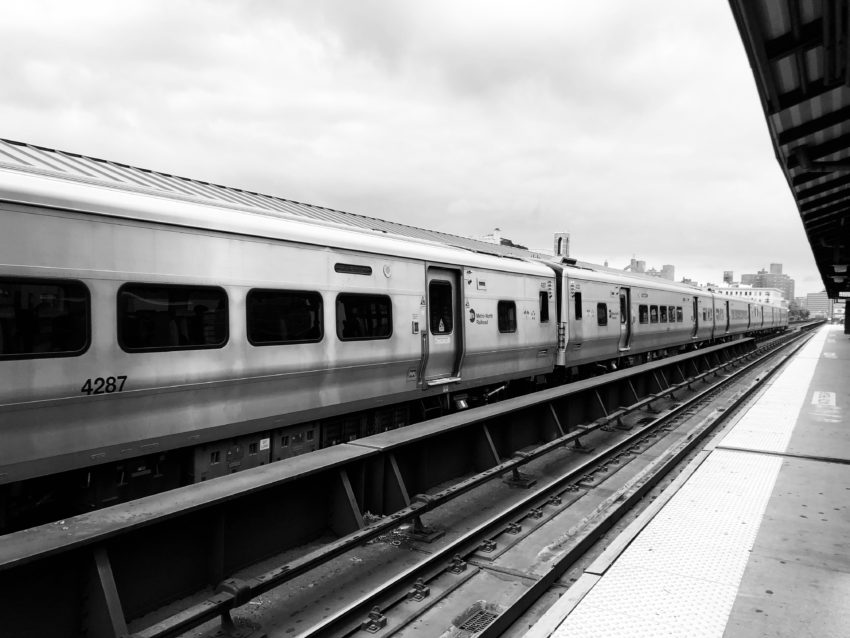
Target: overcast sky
(634,126)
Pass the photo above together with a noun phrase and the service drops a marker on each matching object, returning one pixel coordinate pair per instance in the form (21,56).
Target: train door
(443,330)
(726,308)
(696,319)
(625,319)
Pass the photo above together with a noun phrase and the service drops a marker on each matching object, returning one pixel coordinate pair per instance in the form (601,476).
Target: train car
(156,331)
(149,341)
(611,315)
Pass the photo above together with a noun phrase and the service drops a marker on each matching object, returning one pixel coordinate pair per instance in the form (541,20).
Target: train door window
(680,316)
(577,304)
(544,306)
(43,318)
(643,313)
(276,317)
(360,317)
(624,312)
(663,314)
(507,316)
(440,307)
(602,314)
(154,317)
(653,314)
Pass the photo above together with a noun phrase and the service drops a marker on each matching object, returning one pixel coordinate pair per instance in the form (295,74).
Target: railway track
(482,580)
(501,501)
(403,604)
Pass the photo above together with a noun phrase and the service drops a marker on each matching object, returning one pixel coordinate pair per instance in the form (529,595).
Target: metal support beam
(104,617)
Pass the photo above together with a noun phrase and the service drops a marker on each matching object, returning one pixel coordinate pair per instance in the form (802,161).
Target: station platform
(753,538)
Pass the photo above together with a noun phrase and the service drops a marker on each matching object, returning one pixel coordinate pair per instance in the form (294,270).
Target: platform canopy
(800,56)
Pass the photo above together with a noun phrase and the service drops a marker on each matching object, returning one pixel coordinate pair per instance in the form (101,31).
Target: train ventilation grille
(478,621)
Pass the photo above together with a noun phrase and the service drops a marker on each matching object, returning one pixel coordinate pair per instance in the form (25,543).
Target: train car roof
(50,178)
(587,271)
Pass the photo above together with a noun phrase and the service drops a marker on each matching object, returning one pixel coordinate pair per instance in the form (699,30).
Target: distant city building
(688,281)
(770,296)
(496,238)
(562,245)
(772,279)
(668,271)
(819,304)
(728,276)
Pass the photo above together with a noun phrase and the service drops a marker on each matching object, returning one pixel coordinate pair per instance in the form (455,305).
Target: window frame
(544,306)
(499,305)
(601,317)
(53,281)
(262,344)
(359,294)
(178,348)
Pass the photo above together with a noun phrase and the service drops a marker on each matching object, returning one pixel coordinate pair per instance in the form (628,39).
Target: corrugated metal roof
(800,56)
(69,166)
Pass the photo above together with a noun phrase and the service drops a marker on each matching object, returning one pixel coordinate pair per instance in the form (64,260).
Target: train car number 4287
(102,385)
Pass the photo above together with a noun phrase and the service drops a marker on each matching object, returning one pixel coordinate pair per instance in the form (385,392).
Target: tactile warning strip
(767,425)
(680,576)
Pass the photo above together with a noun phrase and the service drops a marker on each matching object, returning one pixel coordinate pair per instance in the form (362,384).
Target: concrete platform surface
(757,541)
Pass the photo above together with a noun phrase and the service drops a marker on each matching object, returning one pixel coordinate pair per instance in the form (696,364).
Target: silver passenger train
(157,331)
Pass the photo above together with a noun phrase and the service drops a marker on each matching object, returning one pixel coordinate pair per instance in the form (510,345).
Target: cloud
(634,126)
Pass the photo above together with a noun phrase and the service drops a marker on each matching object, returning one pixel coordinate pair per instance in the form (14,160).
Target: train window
(43,318)
(671,314)
(680,317)
(653,314)
(360,317)
(601,314)
(507,316)
(155,317)
(544,306)
(663,314)
(440,315)
(277,317)
(643,313)
(577,304)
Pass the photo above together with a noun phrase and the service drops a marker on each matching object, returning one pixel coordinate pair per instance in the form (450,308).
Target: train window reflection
(276,317)
(653,314)
(643,313)
(440,307)
(360,317)
(601,314)
(544,306)
(680,317)
(663,318)
(43,318)
(154,317)
(507,316)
